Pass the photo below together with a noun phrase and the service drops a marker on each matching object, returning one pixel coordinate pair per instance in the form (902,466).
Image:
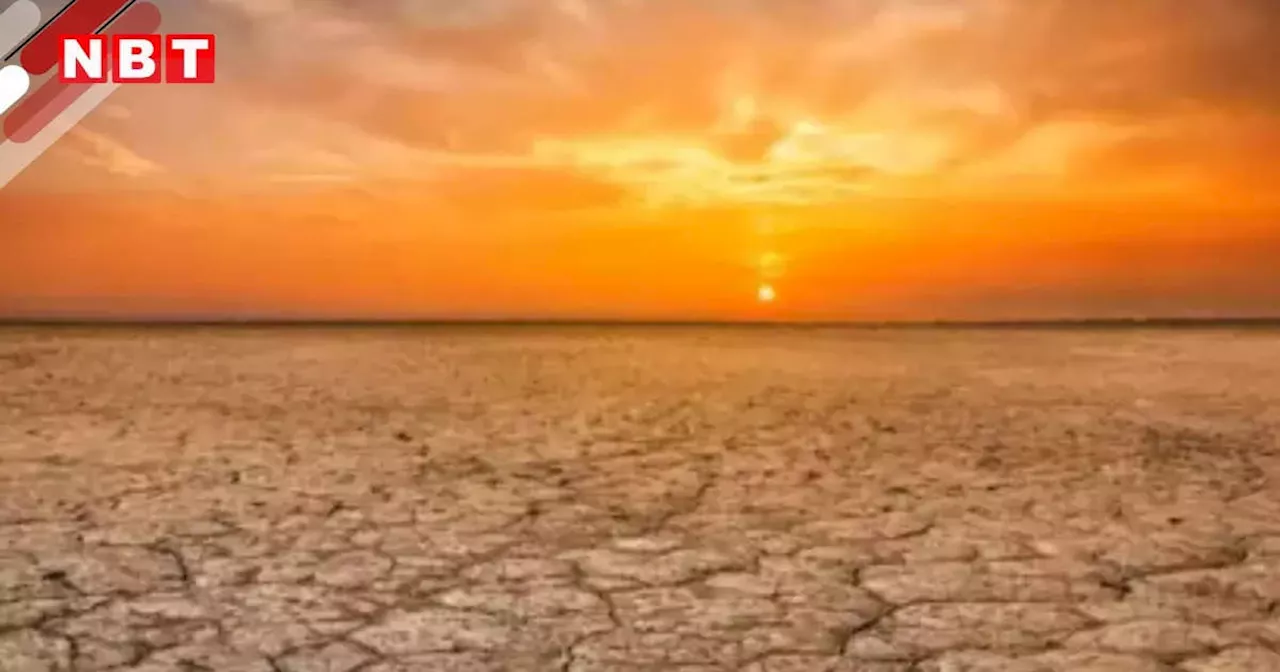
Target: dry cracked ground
(472,499)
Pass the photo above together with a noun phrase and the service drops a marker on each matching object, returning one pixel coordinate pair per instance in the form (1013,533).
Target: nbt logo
(188,59)
(63,58)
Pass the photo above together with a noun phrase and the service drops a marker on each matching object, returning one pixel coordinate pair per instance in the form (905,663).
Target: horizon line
(275,322)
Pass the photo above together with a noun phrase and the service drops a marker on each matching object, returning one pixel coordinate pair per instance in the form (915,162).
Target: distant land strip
(308,323)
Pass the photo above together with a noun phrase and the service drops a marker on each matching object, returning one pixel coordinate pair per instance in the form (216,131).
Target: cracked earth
(610,499)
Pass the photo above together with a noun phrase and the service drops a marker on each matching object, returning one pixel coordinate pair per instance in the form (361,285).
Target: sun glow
(766,294)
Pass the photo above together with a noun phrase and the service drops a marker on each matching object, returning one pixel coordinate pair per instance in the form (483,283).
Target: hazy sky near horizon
(868,159)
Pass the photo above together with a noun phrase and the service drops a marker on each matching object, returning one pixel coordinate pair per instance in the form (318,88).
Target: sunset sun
(766,294)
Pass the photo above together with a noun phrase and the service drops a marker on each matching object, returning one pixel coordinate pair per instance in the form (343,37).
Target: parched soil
(466,499)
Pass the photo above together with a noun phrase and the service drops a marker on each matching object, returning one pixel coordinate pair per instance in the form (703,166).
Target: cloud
(729,100)
(101,160)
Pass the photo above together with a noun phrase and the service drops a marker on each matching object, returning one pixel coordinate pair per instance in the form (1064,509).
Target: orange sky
(660,159)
